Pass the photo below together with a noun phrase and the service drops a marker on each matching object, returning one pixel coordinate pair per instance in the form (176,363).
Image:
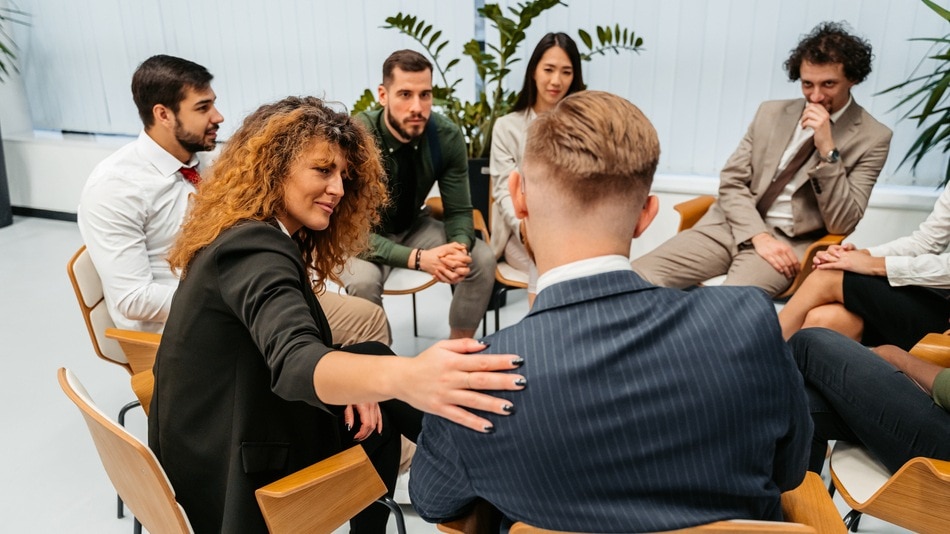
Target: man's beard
(193,142)
(402,133)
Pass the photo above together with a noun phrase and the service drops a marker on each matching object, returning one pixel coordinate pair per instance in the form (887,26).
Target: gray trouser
(470,300)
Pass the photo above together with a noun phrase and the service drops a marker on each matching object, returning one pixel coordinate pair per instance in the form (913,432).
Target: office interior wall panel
(705,67)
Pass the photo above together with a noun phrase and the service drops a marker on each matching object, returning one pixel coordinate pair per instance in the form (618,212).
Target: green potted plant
(492,63)
(7,64)
(928,100)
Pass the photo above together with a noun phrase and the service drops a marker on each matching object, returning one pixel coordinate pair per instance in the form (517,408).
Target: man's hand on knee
(778,254)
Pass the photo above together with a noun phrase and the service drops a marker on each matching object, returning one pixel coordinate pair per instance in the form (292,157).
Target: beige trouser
(354,320)
(700,253)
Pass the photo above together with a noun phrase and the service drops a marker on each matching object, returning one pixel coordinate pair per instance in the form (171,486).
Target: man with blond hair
(647,408)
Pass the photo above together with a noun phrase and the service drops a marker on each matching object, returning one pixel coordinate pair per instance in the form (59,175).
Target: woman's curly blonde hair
(247,183)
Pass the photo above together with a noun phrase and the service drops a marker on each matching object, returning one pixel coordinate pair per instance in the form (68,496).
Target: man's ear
(381,95)
(650,208)
(162,115)
(516,190)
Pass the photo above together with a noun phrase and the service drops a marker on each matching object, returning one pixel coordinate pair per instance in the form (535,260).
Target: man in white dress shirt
(135,200)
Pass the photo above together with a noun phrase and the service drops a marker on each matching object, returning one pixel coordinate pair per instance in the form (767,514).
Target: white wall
(705,68)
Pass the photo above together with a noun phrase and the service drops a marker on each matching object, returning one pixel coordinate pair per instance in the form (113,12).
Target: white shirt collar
(282,227)
(837,114)
(166,164)
(583,268)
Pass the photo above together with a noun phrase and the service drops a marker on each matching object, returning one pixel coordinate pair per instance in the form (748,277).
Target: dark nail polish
(489,429)
(348,427)
(508,408)
(485,344)
(517,362)
(521,382)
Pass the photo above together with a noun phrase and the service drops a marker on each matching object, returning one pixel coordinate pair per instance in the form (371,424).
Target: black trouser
(383,449)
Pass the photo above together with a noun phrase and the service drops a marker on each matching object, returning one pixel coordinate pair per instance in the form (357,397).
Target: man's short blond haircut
(594,145)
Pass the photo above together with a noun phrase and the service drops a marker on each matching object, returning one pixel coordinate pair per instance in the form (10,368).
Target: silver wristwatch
(832,156)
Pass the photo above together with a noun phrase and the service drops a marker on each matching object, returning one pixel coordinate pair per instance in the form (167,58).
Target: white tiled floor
(52,479)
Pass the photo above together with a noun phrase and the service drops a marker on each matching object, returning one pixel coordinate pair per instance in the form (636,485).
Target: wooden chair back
(323,496)
(692,210)
(143,384)
(807,509)
(131,466)
(133,351)
(318,498)
(917,496)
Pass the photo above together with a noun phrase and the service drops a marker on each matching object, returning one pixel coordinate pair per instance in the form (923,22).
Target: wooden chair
(132,467)
(692,210)
(318,498)
(143,384)
(917,496)
(323,496)
(132,350)
(807,509)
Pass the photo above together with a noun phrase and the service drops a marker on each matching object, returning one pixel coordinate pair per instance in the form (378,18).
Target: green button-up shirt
(452,178)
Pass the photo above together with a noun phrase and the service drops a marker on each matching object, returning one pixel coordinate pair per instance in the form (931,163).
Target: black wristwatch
(832,156)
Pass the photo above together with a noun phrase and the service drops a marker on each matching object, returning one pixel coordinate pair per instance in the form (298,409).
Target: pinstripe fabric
(646,409)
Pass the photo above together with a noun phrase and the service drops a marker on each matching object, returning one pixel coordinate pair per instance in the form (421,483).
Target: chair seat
(858,471)
(406,281)
(511,274)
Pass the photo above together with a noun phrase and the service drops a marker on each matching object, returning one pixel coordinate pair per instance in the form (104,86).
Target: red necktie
(191,174)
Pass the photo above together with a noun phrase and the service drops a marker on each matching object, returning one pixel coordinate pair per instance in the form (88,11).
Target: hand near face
(778,254)
(817,117)
(446,375)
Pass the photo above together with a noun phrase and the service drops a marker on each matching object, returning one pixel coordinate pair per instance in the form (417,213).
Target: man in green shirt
(420,148)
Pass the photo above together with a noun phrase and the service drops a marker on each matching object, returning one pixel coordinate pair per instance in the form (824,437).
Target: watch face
(833,156)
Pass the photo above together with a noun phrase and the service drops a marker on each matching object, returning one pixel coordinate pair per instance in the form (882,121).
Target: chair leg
(499,293)
(397,512)
(851,520)
(125,409)
(120,507)
(415,325)
(136,526)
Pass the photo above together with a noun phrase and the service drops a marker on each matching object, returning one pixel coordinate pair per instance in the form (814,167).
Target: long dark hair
(529,91)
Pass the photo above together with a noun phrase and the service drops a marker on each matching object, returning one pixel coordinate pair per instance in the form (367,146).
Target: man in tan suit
(804,168)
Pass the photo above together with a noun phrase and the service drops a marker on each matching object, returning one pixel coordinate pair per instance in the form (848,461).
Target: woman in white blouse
(893,293)
(553,72)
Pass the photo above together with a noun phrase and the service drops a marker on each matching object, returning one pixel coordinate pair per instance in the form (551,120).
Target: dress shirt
(922,258)
(780,213)
(452,178)
(582,268)
(130,213)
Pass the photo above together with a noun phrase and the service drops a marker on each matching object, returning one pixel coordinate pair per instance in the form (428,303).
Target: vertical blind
(705,67)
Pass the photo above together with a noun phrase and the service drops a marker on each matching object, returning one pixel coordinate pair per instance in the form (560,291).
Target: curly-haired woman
(248,387)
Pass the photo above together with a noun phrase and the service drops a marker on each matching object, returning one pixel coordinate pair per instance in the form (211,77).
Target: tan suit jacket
(831,200)
(834,197)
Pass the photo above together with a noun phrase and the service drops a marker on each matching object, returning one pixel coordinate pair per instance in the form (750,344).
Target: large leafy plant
(492,63)
(7,54)
(928,100)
